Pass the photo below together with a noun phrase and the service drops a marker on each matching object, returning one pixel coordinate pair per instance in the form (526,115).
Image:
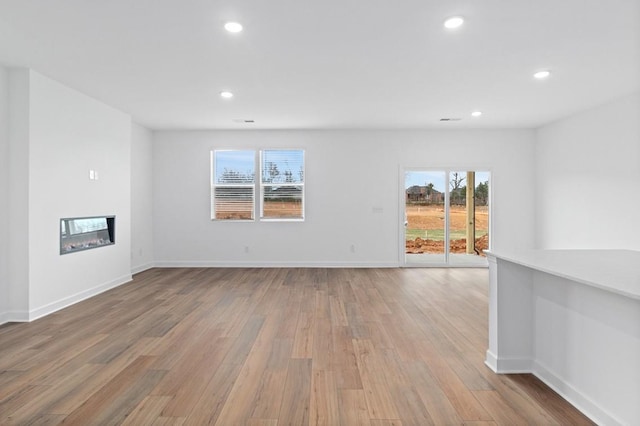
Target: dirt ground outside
(242,210)
(282,209)
(425,229)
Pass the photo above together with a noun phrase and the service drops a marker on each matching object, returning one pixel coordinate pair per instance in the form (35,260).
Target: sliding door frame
(402,258)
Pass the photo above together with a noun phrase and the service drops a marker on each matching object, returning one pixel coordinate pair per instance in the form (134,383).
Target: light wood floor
(271,347)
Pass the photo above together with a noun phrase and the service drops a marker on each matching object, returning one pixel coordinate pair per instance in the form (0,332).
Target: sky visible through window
(423,178)
(282,166)
(244,162)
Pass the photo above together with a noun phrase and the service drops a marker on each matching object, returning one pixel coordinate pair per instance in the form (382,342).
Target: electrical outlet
(246,249)
(352,248)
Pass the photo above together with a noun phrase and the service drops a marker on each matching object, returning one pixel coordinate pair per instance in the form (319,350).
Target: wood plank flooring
(271,347)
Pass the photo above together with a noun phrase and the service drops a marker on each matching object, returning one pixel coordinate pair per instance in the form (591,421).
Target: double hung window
(233,185)
(279,182)
(282,184)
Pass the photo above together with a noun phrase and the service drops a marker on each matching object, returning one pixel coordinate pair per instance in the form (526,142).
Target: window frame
(257,186)
(263,185)
(214,185)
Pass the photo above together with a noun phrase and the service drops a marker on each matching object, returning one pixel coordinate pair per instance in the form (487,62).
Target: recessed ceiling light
(233,27)
(226,95)
(541,75)
(454,22)
(476,113)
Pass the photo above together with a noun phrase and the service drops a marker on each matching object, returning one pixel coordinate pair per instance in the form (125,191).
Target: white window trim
(300,184)
(213,185)
(257,186)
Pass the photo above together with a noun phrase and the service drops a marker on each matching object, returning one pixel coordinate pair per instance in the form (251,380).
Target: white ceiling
(331,63)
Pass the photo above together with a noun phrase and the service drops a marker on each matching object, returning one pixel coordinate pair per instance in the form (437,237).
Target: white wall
(56,136)
(71,133)
(4,194)
(141,198)
(18,194)
(587,175)
(349,174)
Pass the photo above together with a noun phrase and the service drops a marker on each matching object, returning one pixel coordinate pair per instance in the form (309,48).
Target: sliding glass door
(425,223)
(446,217)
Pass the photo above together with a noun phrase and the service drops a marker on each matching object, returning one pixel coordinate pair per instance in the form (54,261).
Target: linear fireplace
(85,233)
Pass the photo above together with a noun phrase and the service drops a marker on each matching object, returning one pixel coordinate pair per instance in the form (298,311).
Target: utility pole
(471,213)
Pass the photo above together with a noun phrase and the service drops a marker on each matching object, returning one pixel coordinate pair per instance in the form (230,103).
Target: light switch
(92,174)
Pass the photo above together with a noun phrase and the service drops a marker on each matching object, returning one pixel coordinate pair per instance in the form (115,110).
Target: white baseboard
(507,365)
(75,298)
(14,316)
(574,396)
(491,361)
(142,268)
(259,264)
(565,390)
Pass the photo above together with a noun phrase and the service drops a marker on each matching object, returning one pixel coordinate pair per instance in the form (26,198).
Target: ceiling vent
(450,119)
(242,120)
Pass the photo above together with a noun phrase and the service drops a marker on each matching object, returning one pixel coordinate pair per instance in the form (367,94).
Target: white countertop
(617,271)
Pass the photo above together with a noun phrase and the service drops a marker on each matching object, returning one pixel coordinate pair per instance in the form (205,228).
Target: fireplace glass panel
(84,233)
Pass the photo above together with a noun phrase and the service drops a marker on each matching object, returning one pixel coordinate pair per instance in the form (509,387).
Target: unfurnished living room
(319,213)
